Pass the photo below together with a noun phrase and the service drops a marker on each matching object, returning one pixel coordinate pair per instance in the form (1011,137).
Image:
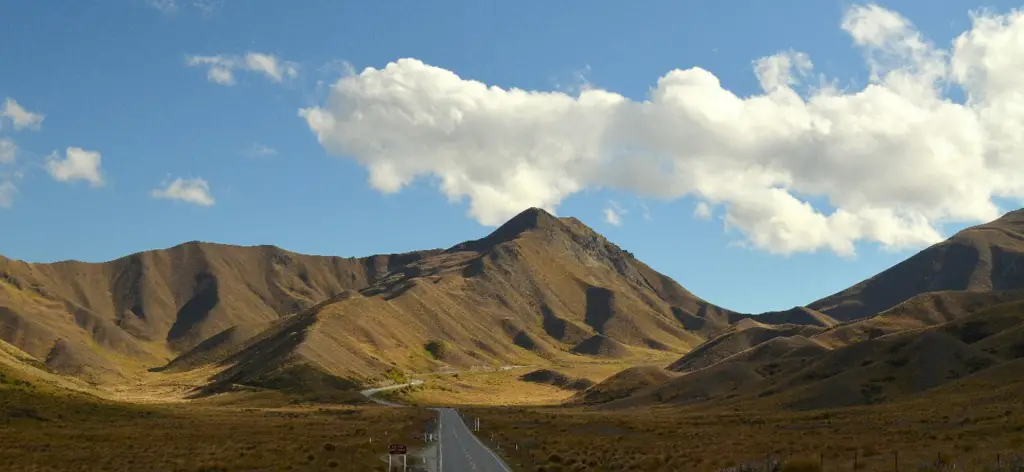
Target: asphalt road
(461,451)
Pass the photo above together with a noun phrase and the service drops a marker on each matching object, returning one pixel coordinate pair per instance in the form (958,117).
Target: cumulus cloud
(8,151)
(78,164)
(889,162)
(20,117)
(194,191)
(7,191)
(221,68)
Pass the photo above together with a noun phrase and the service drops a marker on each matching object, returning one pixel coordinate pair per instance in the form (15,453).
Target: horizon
(741,158)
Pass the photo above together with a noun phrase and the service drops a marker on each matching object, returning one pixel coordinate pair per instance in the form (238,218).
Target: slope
(539,289)
(104,321)
(981,258)
(796,372)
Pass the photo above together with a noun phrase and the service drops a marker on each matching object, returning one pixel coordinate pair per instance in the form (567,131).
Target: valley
(575,355)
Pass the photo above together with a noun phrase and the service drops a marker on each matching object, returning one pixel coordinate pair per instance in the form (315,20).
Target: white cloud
(612,217)
(195,191)
(8,151)
(892,160)
(20,117)
(78,164)
(270,66)
(221,68)
(166,7)
(702,211)
(170,7)
(613,213)
(646,212)
(7,192)
(260,150)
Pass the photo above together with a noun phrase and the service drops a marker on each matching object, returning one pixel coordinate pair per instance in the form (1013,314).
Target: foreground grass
(673,439)
(44,432)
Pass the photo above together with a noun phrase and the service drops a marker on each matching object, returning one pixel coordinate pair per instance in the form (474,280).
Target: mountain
(94,319)
(950,312)
(538,289)
(988,257)
(795,371)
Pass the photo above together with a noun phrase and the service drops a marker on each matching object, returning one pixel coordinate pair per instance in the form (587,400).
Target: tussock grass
(962,430)
(42,432)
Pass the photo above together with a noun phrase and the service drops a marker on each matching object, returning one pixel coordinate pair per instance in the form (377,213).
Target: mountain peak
(530,219)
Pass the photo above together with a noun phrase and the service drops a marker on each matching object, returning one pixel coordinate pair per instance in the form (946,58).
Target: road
(458,450)
(461,451)
(370,392)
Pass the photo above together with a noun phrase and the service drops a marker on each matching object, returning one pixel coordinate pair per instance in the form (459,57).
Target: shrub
(436,348)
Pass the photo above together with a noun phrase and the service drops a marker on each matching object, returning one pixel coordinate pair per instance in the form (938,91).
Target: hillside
(906,352)
(537,289)
(988,257)
(97,319)
(947,312)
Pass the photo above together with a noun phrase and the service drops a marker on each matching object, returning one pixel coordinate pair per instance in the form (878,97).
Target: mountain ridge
(557,288)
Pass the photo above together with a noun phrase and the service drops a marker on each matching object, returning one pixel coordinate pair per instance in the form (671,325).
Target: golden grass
(500,387)
(483,388)
(961,428)
(41,432)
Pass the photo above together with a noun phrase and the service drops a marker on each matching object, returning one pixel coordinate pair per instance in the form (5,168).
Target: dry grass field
(502,387)
(969,425)
(50,432)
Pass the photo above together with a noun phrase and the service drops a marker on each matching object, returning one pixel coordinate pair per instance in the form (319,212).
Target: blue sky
(132,81)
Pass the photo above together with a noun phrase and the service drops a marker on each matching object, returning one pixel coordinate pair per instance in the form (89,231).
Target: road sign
(397,449)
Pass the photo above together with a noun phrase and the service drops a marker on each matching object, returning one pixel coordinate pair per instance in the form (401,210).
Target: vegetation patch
(437,349)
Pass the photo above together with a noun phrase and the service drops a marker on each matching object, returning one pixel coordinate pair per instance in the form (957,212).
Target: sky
(763,154)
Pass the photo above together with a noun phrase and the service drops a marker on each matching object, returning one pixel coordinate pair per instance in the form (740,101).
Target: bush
(396,375)
(436,348)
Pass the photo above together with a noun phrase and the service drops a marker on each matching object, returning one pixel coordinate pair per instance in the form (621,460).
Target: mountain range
(538,290)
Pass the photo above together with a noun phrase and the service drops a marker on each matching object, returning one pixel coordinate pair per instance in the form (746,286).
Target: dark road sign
(397,449)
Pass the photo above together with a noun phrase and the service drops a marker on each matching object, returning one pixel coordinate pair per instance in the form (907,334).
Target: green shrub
(436,348)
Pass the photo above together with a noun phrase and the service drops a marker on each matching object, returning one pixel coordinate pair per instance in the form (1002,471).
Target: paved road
(370,392)
(461,451)
(458,449)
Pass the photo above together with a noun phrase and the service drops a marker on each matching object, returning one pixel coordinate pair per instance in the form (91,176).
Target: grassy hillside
(988,257)
(537,290)
(791,367)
